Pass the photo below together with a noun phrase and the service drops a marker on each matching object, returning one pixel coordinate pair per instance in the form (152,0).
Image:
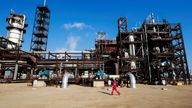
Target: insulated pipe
(132,51)
(131,46)
(63,52)
(132,80)
(66,77)
(116,68)
(61,66)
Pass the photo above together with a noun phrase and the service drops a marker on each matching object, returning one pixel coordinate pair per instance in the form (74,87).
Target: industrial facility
(153,52)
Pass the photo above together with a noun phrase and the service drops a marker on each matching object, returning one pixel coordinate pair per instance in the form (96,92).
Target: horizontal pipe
(62,52)
(12,61)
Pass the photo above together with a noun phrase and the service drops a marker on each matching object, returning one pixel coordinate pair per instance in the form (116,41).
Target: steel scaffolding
(40,29)
(153,52)
(130,49)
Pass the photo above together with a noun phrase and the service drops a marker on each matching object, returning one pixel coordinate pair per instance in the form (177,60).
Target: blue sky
(77,21)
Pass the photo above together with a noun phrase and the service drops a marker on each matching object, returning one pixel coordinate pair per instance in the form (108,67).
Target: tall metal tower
(16,28)
(40,29)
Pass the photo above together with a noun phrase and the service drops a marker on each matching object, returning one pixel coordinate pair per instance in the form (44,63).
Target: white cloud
(72,42)
(77,25)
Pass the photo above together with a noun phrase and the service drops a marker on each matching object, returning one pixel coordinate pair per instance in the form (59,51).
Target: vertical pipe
(142,46)
(65,80)
(15,72)
(116,69)
(60,69)
(147,52)
(132,46)
(16,64)
(76,71)
(66,77)
(132,80)
(130,50)
(32,69)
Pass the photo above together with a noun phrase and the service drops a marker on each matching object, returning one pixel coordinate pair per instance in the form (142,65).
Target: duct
(66,77)
(132,80)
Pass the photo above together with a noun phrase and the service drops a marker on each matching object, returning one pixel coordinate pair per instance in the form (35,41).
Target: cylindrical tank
(14,36)
(16,28)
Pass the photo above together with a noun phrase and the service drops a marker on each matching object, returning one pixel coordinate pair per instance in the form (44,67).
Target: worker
(114,87)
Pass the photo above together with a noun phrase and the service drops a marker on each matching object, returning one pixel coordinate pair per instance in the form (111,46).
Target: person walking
(114,88)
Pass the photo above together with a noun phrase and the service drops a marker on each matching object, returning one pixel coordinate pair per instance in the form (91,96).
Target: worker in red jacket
(115,87)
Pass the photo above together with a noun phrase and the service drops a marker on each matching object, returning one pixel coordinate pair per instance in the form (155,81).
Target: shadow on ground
(107,93)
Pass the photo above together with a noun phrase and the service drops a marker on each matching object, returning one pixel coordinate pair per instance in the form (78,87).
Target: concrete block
(98,84)
(179,84)
(37,83)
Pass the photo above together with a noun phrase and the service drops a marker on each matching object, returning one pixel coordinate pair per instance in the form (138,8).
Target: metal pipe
(62,52)
(116,68)
(147,52)
(61,66)
(12,61)
(132,80)
(66,77)
(16,64)
(132,51)
(132,46)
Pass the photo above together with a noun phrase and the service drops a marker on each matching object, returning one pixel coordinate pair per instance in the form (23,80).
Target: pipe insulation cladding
(131,46)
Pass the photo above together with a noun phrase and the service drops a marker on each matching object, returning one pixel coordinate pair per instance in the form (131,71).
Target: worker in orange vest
(114,88)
